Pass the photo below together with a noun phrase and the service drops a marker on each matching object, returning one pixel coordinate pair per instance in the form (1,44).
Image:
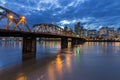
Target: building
(103,32)
(84,33)
(79,29)
(111,33)
(107,33)
(118,33)
(92,33)
(67,30)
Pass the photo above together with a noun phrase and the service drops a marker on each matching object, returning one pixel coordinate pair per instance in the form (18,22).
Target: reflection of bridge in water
(17,26)
(15,44)
(10,44)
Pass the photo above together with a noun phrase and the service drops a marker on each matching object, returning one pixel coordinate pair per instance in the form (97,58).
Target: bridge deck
(15,33)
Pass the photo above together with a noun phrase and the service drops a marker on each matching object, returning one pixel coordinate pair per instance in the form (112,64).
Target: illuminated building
(67,29)
(111,33)
(107,33)
(84,33)
(79,30)
(118,33)
(92,33)
(103,32)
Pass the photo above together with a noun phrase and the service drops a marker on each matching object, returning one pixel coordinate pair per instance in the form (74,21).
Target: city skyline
(91,14)
(104,33)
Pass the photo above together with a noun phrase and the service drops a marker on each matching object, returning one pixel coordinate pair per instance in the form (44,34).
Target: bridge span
(17,26)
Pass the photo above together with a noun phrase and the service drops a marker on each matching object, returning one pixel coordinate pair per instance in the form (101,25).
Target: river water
(87,61)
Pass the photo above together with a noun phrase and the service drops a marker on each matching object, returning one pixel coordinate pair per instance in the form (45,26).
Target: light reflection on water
(88,61)
(11,51)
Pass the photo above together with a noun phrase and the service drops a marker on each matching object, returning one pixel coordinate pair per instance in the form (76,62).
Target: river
(87,61)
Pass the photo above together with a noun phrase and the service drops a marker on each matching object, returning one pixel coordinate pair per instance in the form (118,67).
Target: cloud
(83,20)
(91,13)
(3,2)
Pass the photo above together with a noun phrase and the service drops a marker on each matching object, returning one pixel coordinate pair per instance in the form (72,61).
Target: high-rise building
(77,29)
(84,33)
(103,32)
(107,33)
(118,33)
(111,33)
(92,33)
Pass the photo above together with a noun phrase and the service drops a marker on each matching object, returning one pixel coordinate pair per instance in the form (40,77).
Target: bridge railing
(50,29)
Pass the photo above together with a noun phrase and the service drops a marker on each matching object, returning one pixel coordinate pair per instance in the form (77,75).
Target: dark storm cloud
(91,13)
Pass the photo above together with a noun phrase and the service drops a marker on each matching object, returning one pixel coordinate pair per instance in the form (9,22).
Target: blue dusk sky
(92,14)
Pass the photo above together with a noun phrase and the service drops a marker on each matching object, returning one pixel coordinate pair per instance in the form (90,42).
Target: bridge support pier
(29,45)
(64,43)
(75,41)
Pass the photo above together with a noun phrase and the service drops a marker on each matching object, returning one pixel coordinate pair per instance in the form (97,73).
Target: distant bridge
(17,26)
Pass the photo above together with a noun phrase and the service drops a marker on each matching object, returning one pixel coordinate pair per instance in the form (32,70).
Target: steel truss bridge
(15,25)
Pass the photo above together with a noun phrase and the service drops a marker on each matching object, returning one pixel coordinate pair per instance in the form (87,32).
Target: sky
(93,14)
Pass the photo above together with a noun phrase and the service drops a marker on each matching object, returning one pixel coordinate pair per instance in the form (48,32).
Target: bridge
(15,25)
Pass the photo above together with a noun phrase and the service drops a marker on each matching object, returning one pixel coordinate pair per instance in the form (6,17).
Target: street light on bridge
(10,17)
(23,17)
